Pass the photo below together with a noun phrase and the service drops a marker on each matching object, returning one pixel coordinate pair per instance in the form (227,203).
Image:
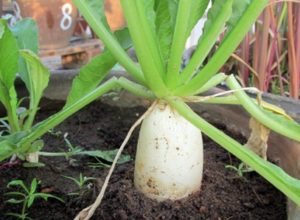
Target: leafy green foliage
(97,8)
(149,10)
(26,197)
(95,71)
(9,144)
(90,76)
(276,122)
(217,17)
(8,69)
(26,33)
(32,72)
(238,9)
(197,11)
(37,79)
(165,24)
(225,49)
(8,57)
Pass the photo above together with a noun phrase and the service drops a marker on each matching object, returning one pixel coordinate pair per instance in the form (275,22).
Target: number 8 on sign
(66,21)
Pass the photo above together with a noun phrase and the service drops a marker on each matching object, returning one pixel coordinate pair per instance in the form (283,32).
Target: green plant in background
(272,51)
(82,183)
(19,48)
(27,197)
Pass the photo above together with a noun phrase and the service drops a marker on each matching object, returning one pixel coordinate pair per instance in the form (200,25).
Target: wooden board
(75,55)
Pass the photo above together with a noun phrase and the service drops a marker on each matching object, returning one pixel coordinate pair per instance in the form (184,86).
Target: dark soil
(224,195)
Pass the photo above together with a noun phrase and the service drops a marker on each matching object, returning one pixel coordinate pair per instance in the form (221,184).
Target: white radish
(169,158)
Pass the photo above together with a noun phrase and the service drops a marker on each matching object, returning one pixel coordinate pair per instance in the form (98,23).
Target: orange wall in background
(114,14)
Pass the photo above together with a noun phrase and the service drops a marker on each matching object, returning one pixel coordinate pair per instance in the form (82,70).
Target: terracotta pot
(56,20)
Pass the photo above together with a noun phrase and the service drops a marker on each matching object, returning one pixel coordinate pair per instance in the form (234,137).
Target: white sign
(66,21)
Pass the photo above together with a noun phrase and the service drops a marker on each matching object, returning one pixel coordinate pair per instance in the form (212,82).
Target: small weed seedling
(27,197)
(101,156)
(241,169)
(82,182)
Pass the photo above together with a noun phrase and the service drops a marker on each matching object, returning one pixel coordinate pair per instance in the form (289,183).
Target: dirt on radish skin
(169,158)
(223,194)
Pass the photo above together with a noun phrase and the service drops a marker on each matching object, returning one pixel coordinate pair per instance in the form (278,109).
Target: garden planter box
(281,150)
(223,195)
(56,21)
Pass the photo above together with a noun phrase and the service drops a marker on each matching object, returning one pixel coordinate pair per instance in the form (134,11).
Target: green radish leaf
(217,17)
(238,9)
(165,24)
(108,40)
(38,77)
(149,6)
(8,144)
(123,37)
(8,57)
(283,121)
(97,8)
(92,74)
(227,46)
(145,43)
(8,68)
(8,97)
(197,11)
(275,122)
(26,33)
(181,33)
